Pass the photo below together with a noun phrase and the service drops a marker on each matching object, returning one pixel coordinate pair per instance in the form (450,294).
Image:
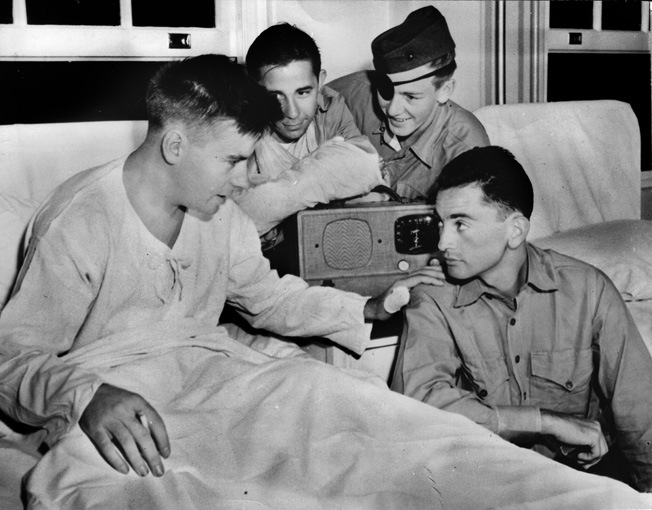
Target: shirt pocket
(561,380)
(488,378)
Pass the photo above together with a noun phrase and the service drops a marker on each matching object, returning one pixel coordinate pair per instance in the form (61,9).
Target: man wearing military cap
(404,106)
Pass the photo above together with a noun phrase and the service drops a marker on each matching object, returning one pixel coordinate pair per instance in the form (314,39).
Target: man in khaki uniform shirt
(534,345)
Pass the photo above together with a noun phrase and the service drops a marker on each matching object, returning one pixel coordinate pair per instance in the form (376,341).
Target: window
(82,60)
(79,29)
(73,12)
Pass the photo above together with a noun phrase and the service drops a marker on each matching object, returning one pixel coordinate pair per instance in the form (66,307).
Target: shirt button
(512,321)
(517,358)
(569,385)
(482,393)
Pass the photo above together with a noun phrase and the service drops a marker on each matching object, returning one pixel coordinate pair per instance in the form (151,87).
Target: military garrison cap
(421,38)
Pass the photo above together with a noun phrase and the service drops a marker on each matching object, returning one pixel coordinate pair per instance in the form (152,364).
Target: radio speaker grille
(347,244)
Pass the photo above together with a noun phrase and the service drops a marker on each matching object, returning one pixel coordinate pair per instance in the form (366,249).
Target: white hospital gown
(94,270)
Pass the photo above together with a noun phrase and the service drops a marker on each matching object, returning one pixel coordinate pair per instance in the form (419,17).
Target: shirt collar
(542,277)
(424,147)
(324,99)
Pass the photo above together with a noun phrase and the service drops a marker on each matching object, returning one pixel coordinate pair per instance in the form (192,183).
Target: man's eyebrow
(306,88)
(456,216)
(410,93)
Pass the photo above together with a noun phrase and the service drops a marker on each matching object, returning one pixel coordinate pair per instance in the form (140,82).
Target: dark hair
(202,90)
(279,45)
(496,172)
(446,67)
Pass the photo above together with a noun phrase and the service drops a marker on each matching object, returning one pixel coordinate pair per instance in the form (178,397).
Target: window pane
(78,91)
(6,16)
(73,12)
(164,13)
(622,15)
(571,14)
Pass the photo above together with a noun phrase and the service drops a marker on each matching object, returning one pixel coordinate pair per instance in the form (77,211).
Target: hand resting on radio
(382,307)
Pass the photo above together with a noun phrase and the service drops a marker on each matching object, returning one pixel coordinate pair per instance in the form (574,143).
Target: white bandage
(397,299)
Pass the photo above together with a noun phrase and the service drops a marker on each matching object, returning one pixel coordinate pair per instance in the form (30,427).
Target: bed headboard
(35,158)
(583,158)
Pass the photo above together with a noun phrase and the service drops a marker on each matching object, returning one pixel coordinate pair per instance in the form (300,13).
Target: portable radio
(365,247)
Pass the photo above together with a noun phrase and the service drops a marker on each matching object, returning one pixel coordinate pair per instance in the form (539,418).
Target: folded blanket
(284,185)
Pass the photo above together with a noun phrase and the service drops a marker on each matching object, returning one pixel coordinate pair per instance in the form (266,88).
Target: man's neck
(508,279)
(144,184)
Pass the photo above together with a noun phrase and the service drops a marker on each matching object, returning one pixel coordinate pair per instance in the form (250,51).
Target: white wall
(344,29)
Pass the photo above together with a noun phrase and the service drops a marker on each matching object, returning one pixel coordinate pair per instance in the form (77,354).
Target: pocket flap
(567,368)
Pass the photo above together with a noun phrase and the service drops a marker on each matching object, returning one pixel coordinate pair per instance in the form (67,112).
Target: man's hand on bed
(382,307)
(117,419)
(577,438)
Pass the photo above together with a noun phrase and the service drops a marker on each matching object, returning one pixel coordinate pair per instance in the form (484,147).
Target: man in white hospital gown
(109,347)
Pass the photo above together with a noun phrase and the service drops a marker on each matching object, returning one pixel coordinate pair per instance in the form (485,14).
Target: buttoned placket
(515,351)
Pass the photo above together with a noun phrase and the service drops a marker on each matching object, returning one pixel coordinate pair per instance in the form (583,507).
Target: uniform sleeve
(625,376)
(357,91)
(467,133)
(288,306)
(54,291)
(337,120)
(429,368)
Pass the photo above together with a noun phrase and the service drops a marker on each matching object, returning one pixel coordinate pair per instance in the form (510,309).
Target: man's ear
(322,78)
(445,92)
(172,146)
(519,228)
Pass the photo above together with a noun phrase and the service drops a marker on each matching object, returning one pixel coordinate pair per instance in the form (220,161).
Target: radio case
(364,247)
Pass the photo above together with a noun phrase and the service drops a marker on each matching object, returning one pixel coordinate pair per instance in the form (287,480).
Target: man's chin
(288,136)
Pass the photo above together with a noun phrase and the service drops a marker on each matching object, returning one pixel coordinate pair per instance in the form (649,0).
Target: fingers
(592,456)
(154,423)
(108,450)
(578,438)
(430,275)
(133,440)
(124,427)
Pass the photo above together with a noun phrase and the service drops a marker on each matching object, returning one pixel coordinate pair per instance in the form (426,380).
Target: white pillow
(621,248)
(14,215)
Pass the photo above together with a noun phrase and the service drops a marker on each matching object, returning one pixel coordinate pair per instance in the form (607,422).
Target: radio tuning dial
(403,265)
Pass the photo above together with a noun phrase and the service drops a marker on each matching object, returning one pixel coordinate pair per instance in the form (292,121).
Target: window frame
(55,42)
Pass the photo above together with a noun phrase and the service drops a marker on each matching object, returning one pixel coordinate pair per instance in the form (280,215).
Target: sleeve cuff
(358,335)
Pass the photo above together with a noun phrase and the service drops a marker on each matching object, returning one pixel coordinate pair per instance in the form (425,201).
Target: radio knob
(403,265)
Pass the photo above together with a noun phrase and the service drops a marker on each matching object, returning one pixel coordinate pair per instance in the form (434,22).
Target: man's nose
(290,109)
(395,106)
(445,239)
(240,176)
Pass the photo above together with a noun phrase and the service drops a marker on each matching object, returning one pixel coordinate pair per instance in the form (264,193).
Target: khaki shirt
(566,343)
